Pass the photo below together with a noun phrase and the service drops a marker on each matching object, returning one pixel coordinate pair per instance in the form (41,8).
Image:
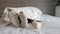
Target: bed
(49,27)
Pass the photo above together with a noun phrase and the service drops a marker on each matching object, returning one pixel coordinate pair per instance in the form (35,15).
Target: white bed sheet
(51,26)
(11,30)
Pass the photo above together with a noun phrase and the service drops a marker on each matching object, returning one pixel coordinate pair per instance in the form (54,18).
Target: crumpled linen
(32,12)
(11,30)
(51,25)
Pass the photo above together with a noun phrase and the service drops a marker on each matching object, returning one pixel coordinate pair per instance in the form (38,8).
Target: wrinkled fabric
(11,30)
(50,25)
(32,12)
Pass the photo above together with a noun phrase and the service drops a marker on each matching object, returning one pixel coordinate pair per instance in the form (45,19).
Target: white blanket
(32,12)
(49,27)
(11,30)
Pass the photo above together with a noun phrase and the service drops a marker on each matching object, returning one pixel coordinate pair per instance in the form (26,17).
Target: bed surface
(51,26)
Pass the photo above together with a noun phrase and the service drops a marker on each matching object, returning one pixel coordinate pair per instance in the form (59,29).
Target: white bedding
(11,30)
(49,27)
